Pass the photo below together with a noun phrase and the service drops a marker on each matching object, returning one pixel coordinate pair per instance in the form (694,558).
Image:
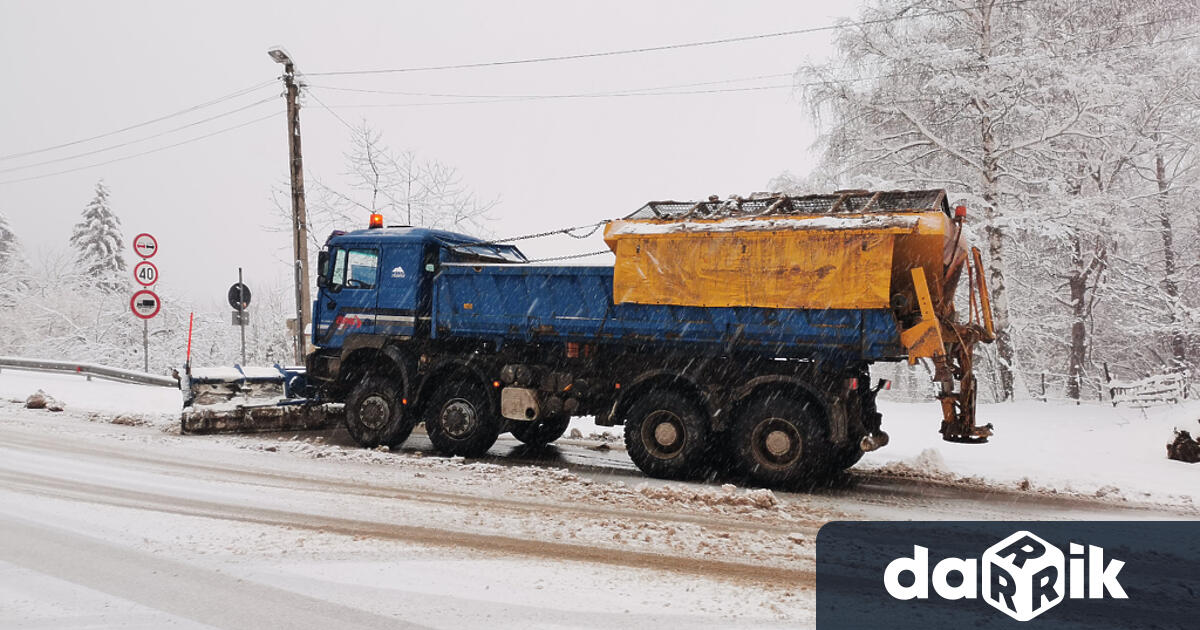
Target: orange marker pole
(189,347)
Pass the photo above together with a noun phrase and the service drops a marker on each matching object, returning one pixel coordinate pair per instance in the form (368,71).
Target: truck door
(346,305)
(402,287)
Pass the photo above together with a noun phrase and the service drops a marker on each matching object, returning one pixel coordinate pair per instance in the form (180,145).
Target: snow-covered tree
(1042,116)
(8,243)
(11,266)
(97,242)
(404,187)
(956,103)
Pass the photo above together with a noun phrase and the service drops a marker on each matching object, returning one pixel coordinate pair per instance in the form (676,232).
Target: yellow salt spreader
(901,252)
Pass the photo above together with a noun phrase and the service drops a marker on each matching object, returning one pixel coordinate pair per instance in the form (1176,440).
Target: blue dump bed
(525,303)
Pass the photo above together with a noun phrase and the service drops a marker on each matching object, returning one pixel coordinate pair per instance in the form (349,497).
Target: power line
(330,110)
(647,49)
(605,93)
(547,97)
(135,155)
(139,140)
(483,99)
(181,112)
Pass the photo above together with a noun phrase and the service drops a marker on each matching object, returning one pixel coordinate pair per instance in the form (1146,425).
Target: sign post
(239,298)
(145,303)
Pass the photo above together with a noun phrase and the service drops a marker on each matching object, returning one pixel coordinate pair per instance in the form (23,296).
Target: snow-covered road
(123,524)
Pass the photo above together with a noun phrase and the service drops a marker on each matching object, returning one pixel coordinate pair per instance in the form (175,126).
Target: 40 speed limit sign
(145,273)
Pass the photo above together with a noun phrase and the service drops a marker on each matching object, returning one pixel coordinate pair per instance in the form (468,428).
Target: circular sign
(239,294)
(145,273)
(145,304)
(145,245)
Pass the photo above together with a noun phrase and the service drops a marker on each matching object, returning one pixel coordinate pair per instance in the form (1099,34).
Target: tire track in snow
(75,490)
(266,478)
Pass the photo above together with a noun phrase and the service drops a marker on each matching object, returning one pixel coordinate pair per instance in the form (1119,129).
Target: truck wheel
(375,414)
(845,459)
(780,440)
(540,432)
(460,420)
(666,435)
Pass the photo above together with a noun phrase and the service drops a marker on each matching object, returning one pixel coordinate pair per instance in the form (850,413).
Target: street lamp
(279,55)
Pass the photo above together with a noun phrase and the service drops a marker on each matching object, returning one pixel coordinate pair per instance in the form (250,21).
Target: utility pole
(299,216)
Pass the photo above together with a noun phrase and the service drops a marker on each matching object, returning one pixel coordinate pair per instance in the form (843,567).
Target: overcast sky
(73,70)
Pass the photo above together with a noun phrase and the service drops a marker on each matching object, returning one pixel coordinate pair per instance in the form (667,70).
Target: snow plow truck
(728,333)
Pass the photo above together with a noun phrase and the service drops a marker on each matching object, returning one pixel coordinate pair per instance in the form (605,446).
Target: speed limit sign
(145,273)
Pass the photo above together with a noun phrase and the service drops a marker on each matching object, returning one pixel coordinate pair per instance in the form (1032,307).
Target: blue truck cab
(415,325)
(378,282)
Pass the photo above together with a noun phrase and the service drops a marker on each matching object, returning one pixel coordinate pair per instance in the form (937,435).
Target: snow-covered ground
(1091,449)
(1088,449)
(109,518)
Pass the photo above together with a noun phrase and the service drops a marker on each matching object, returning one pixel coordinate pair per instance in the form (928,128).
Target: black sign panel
(239,294)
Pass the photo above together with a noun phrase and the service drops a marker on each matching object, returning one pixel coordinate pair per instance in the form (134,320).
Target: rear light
(376,221)
(852,383)
(960,212)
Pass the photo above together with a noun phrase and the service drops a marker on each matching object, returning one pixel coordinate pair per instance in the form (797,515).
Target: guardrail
(87,369)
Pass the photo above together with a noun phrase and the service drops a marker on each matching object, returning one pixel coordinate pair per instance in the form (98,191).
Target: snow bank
(1051,447)
(79,394)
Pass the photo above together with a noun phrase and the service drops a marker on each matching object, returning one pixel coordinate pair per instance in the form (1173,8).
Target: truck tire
(845,459)
(459,419)
(375,414)
(540,432)
(666,435)
(779,440)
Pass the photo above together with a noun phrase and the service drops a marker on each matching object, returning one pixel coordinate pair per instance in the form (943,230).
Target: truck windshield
(354,268)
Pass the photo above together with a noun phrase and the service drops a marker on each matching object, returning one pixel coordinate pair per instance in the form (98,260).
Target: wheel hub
(666,434)
(778,443)
(663,434)
(374,411)
(459,418)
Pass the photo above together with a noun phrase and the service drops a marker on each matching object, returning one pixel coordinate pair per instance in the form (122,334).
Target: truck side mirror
(323,268)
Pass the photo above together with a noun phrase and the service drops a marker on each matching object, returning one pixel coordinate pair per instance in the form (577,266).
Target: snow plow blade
(259,418)
(250,400)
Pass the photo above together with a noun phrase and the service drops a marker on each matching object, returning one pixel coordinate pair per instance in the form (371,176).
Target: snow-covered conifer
(8,243)
(97,242)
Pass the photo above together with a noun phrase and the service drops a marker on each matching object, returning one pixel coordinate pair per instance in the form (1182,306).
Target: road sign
(145,245)
(239,293)
(145,273)
(145,304)
(241,318)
